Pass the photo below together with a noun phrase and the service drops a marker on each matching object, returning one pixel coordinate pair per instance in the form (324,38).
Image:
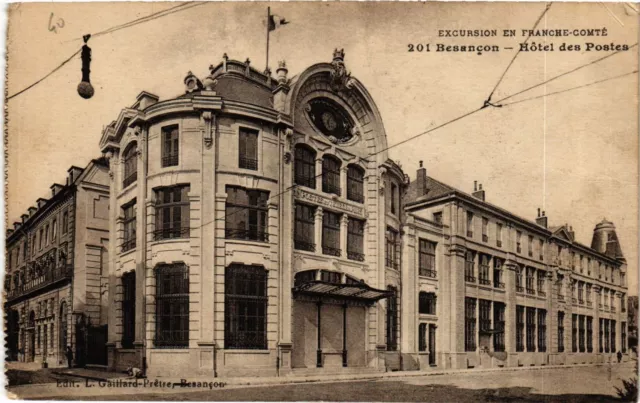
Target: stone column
(343,181)
(140,254)
(317,228)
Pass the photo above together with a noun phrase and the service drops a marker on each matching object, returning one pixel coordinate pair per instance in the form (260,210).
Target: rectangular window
(589,334)
(483,273)
(469,324)
(391,240)
(469,267)
(497,273)
(331,234)
(172,213)
(519,328)
(581,263)
(580,292)
(469,224)
(392,320)
(129,241)
(519,281)
(422,337)
(54,230)
(600,335)
(485,226)
(531,329)
(248,149)
(394,196)
(519,241)
(305,166)
(574,333)
(46,235)
(245,307)
(355,183)
(613,336)
(427,258)
(427,303)
(623,339)
(437,217)
(542,330)
(172,306)
(541,280)
(581,335)
(65,224)
(530,246)
(541,249)
(485,315)
(560,332)
(304,229)
(128,309)
(246,214)
(170,146)
(130,173)
(355,239)
(530,276)
(498,325)
(41,238)
(331,175)
(499,235)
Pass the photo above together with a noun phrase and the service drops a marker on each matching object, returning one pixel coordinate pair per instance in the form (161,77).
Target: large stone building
(258,227)
(56,273)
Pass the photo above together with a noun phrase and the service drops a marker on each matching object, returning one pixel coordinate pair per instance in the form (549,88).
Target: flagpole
(268,21)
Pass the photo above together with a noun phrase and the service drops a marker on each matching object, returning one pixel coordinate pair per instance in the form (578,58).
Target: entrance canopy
(323,284)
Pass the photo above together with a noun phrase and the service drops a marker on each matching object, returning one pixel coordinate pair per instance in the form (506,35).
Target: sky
(574,154)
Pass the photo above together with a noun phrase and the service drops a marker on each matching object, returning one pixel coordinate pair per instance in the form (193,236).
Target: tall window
(128,309)
(248,149)
(519,328)
(623,339)
(530,246)
(541,276)
(530,275)
(519,274)
(469,266)
(129,241)
(305,166)
(355,183)
(54,229)
(170,146)
(65,226)
(172,212)
(542,330)
(531,329)
(331,174)
(245,307)
(541,249)
(613,336)
(497,273)
(600,335)
(331,233)
(581,338)
(427,258)
(246,214)
(469,224)
(484,270)
(469,324)
(392,320)
(589,334)
(580,292)
(304,231)
(130,165)
(46,237)
(391,238)
(498,324)
(574,333)
(519,241)
(485,315)
(485,230)
(394,197)
(355,239)
(41,238)
(422,337)
(172,305)
(499,235)
(427,303)
(560,332)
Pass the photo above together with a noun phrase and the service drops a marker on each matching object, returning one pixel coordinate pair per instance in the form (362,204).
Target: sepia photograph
(321,201)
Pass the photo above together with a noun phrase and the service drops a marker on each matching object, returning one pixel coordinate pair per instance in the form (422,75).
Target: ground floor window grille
(245,302)
(519,328)
(531,329)
(422,337)
(600,335)
(581,333)
(606,335)
(484,270)
(485,315)
(392,320)
(560,332)
(542,330)
(172,306)
(613,336)
(128,309)
(623,340)
(574,333)
(589,334)
(498,324)
(470,324)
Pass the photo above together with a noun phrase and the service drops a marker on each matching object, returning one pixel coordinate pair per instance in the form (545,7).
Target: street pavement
(573,384)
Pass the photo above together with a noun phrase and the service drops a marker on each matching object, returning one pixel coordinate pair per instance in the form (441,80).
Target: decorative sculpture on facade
(340,77)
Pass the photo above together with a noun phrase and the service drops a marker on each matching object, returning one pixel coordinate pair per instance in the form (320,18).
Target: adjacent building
(56,268)
(258,227)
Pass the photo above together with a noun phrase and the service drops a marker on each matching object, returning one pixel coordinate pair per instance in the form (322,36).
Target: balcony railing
(497,284)
(251,234)
(589,303)
(470,279)
(485,281)
(328,250)
(128,244)
(485,238)
(248,163)
(130,179)
(599,305)
(304,245)
(560,297)
(531,291)
(355,256)
(49,276)
(519,288)
(391,263)
(580,301)
(171,233)
(428,273)
(613,309)
(542,293)
(169,160)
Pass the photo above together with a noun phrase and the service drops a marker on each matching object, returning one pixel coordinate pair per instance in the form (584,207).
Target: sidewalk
(88,384)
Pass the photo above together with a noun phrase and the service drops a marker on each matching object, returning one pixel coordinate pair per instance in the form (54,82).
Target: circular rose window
(330,119)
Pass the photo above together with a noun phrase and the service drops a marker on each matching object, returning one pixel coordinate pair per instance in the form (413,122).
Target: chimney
(55,189)
(478,193)
(145,100)
(74,172)
(572,234)
(16,225)
(24,217)
(32,211)
(41,202)
(541,220)
(421,180)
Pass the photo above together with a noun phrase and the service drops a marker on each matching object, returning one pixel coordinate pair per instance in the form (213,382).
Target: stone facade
(56,273)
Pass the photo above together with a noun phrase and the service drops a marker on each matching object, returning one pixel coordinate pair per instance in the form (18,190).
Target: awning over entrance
(356,291)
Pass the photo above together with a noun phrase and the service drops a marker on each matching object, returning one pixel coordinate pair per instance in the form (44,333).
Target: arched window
(130,165)
(355,183)
(331,174)
(427,303)
(305,166)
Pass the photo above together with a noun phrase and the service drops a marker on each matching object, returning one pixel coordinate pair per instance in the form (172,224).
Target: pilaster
(317,229)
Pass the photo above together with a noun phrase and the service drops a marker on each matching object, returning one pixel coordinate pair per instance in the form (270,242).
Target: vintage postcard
(336,201)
